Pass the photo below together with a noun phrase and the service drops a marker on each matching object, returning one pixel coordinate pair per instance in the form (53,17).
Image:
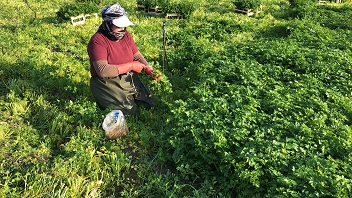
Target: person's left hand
(151,72)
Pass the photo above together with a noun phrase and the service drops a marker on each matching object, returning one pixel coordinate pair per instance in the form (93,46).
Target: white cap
(122,21)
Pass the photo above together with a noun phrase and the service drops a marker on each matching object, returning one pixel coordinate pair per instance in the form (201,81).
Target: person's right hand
(137,66)
(131,66)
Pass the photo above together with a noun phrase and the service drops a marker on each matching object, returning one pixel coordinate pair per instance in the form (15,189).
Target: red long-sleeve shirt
(101,48)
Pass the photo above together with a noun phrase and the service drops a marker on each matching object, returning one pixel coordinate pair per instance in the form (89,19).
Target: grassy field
(255,106)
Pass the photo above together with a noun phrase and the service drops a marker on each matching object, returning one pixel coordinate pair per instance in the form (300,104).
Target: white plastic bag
(115,125)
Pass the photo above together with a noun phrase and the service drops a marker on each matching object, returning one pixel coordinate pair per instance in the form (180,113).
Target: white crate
(81,19)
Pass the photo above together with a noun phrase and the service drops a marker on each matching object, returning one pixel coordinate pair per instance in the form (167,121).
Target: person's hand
(149,70)
(131,66)
(152,73)
(137,66)
(158,78)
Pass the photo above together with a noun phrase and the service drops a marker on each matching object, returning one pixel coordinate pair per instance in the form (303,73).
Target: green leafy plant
(157,74)
(151,3)
(247,4)
(247,107)
(142,2)
(90,1)
(183,8)
(68,10)
(302,3)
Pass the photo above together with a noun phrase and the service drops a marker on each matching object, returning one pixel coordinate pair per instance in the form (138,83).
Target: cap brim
(122,21)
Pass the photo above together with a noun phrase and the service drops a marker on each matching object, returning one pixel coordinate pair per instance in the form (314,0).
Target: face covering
(105,28)
(118,35)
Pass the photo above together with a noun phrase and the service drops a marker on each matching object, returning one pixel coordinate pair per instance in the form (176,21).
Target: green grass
(249,107)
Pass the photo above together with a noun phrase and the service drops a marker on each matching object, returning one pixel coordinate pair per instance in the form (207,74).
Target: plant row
(247,4)
(268,117)
(183,8)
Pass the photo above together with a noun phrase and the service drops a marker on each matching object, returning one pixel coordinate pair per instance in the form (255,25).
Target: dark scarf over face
(105,28)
